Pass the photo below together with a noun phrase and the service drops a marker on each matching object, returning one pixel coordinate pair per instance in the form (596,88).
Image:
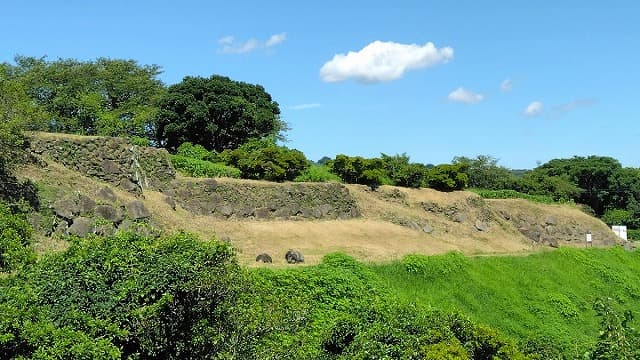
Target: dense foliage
(102,97)
(263,159)
(217,113)
(196,161)
(15,239)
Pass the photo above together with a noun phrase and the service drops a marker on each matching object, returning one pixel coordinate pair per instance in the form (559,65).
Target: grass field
(546,296)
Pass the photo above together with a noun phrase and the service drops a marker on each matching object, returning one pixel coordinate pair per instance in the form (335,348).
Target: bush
(202,168)
(265,160)
(512,194)
(317,173)
(617,217)
(126,297)
(435,265)
(633,234)
(15,240)
(196,151)
(447,177)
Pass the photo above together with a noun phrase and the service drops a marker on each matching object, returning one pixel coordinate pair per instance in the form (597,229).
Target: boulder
(427,229)
(105,229)
(85,204)
(264,257)
(65,208)
(107,194)
(481,225)
(550,220)
(459,218)
(109,213)
(136,210)
(81,227)
(128,185)
(294,257)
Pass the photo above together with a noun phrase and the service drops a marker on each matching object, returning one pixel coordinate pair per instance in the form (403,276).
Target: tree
(484,173)
(591,174)
(448,177)
(217,113)
(103,97)
(263,159)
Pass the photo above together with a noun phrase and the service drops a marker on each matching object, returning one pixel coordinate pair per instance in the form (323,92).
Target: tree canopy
(217,113)
(103,97)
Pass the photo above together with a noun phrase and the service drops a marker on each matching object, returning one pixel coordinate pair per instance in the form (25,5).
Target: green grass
(547,295)
(512,194)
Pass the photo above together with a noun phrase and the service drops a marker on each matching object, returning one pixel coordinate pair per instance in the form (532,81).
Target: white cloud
(276,39)
(231,46)
(533,109)
(227,40)
(305,106)
(383,61)
(506,85)
(465,96)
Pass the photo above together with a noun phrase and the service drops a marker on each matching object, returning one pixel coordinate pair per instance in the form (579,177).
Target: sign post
(589,239)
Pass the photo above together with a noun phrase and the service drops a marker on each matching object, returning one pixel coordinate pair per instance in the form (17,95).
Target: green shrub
(633,234)
(140,141)
(617,217)
(202,168)
(196,151)
(15,240)
(512,194)
(263,159)
(317,173)
(447,177)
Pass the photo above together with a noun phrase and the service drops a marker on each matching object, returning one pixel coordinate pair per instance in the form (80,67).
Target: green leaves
(217,113)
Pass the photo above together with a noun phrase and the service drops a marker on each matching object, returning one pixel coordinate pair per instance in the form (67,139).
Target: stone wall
(113,160)
(236,199)
(135,169)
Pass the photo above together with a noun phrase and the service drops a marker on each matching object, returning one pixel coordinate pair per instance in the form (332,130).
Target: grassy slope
(548,294)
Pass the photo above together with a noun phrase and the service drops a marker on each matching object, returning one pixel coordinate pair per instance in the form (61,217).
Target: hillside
(113,185)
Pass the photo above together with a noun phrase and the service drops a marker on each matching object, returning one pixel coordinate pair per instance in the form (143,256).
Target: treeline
(216,126)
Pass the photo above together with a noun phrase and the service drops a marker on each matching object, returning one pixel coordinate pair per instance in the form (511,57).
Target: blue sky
(524,82)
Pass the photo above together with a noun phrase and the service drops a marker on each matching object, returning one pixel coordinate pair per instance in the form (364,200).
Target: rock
(414,225)
(294,257)
(85,205)
(128,185)
(105,230)
(553,243)
(550,220)
(61,228)
(107,194)
(171,202)
(110,213)
(262,213)
(226,239)
(427,229)
(459,218)
(225,210)
(136,210)
(65,208)
(125,225)
(264,257)
(481,225)
(81,227)
(110,167)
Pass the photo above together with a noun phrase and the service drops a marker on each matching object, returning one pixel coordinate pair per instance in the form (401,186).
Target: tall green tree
(592,174)
(103,97)
(217,113)
(485,173)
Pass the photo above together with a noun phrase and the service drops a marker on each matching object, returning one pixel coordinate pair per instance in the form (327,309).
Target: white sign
(620,230)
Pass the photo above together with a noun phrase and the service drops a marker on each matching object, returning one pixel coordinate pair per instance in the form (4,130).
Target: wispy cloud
(305,106)
(533,109)
(229,45)
(536,108)
(506,85)
(562,109)
(383,61)
(465,96)
(276,39)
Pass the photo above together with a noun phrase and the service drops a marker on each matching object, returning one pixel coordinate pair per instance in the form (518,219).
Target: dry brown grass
(374,237)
